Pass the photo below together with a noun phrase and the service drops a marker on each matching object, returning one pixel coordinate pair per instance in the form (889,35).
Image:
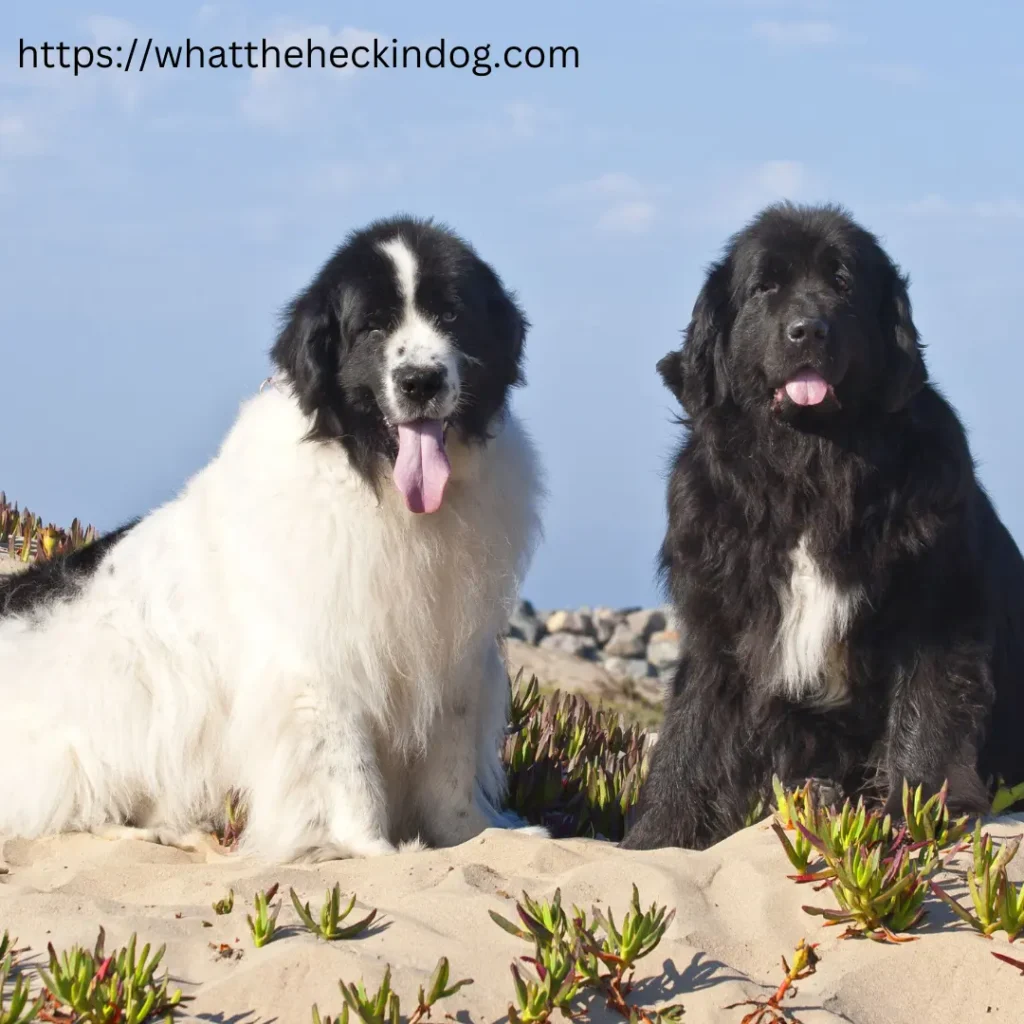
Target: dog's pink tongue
(807,388)
(422,468)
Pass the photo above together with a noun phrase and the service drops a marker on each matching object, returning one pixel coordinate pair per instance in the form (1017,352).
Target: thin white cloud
(281,96)
(810,6)
(1006,209)
(931,205)
(632,216)
(104,30)
(735,198)
(514,122)
(207,13)
(902,75)
(1000,209)
(780,179)
(797,33)
(613,184)
(527,120)
(17,139)
(623,203)
(346,178)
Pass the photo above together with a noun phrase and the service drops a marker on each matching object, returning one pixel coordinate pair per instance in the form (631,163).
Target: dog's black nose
(807,329)
(419,383)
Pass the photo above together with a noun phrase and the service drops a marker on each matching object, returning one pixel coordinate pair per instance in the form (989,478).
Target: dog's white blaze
(816,615)
(415,341)
(407,270)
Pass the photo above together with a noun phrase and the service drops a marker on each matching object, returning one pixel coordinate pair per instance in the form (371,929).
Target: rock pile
(633,645)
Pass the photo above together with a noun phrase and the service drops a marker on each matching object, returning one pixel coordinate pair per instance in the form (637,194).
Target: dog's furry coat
(285,627)
(851,606)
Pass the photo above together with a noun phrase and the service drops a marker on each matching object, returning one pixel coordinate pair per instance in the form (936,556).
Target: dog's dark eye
(765,287)
(373,334)
(449,316)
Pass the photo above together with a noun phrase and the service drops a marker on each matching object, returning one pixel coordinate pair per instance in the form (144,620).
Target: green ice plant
(878,872)
(877,897)
(770,1009)
(226,904)
(571,767)
(573,958)
(1006,797)
(928,821)
(384,1006)
(998,904)
(16,1007)
(117,989)
(263,926)
(22,531)
(330,925)
(554,983)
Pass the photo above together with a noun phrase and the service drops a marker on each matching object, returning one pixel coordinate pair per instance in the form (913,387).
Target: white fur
(280,629)
(416,341)
(816,615)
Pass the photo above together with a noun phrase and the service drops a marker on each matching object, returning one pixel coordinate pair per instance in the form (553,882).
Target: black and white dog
(852,608)
(291,626)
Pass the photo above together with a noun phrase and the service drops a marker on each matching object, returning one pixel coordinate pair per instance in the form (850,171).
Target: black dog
(851,606)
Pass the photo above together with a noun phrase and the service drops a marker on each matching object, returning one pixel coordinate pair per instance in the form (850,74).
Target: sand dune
(736,914)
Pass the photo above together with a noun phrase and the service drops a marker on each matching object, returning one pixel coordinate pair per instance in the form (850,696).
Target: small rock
(627,668)
(663,648)
(646,621)
(605,621)
(626,642)
(570,643)
(523,624)
(579,623)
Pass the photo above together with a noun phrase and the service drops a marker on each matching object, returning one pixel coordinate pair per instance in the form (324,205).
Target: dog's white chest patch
(810,655)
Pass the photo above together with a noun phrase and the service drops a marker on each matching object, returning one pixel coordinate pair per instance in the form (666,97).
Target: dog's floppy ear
(905,373)
(306,350)
(510,326)
(697,375)
(670,367)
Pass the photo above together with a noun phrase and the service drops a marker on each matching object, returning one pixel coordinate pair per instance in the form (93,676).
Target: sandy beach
(737,914)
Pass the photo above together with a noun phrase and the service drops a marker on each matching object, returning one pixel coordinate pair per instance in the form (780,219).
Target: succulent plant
(226,904)
(24,536)
(575,769)
(998,904)
(263,926)
(573,958)
(330,925)
(16,1007)
(878,873)
(97,988)
(384,1006)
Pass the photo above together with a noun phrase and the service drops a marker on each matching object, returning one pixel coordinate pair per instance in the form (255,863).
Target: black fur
(880,482)
(60,579)
(331,341)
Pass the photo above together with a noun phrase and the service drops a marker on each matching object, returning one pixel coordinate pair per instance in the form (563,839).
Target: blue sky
(152,225)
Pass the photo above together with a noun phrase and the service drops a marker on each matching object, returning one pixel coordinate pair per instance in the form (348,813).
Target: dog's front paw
(824,792)
(351,848)
(510,820)
(533,830)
